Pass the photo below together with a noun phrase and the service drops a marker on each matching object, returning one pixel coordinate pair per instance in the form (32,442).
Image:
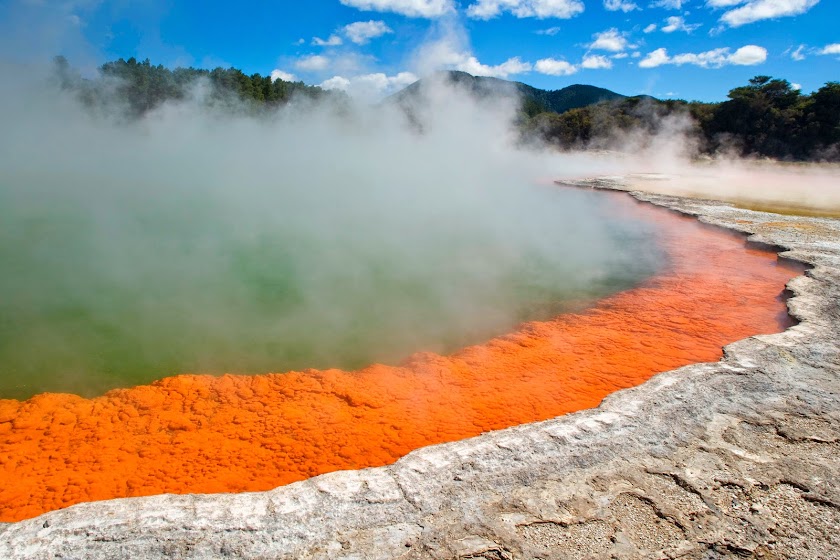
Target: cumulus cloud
(332,41)
(650,28)
(361,32)
(757,10)
(312,63)
(609,40)
(541,9)
(833,48)
(554,67)
(471,65)
(336,82)
(551,31)
(278,74)
(747,55)
(677,23)
(655,58)
(370,86)
(595,61)
(412,8)
(723,3)
(620,5)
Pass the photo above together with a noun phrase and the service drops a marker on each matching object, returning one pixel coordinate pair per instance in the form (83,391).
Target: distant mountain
(534,100)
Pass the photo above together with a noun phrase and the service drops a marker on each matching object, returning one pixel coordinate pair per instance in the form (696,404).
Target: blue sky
(691,49)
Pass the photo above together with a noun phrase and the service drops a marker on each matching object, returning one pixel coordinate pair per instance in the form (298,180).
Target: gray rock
(735,458)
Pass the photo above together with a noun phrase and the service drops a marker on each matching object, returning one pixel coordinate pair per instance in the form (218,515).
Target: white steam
(317,236)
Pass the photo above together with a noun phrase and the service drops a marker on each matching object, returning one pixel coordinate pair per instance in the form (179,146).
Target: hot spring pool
(233,433)
(117,290)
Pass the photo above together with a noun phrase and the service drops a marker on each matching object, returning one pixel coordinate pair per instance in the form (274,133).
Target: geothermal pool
(116,290)
(233,433)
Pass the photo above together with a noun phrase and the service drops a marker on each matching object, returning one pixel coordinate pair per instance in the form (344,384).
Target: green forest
(767,117)
(141,86)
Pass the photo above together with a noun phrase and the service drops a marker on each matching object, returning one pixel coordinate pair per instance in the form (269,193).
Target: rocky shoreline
(735,458)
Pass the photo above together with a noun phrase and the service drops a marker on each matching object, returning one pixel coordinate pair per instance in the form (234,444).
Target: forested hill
(142,86)
(534,100)
(766,117)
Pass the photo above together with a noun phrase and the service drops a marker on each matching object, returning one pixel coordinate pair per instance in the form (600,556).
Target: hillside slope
(534,100)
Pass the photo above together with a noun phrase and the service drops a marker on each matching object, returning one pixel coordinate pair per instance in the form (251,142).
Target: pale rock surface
(735,458)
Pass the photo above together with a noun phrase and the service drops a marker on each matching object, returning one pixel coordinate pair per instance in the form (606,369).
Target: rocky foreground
(735,458)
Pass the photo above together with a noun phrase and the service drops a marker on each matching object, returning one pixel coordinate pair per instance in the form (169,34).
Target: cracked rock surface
(735,458)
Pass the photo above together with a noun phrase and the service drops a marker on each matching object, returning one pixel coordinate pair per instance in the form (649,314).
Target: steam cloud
(199,239)
(194,240)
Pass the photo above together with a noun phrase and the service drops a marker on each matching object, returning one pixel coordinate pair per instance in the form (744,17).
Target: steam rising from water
(769,186)
(318,237)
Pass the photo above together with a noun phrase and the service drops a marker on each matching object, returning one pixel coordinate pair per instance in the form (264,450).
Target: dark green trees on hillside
(767,117)
(142,86)
(824,113)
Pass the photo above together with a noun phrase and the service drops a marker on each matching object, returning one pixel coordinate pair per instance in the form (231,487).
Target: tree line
(141,86)
(767,117)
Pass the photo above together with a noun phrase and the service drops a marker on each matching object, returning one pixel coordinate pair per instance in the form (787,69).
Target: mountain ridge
(534,100)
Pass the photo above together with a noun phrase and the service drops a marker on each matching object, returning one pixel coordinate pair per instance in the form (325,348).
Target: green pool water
(98,293)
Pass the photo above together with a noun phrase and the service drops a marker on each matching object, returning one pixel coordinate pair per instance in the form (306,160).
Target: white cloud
(677,23)
(798,54)
(650,28)
(757,10)
(595,61)
(623,5)
(723,3)
(551,31)
(554,67)
(278,74)
(370,86)
(361,32)
(833,48)
(714,58)
(411,8)
(312,63)
(796,87)
(668,4)
(471,65)
(747,55)
(609,40)
(654,59)
(452,53)
(620,55)
(488,9)
(332,41)
(336,82)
